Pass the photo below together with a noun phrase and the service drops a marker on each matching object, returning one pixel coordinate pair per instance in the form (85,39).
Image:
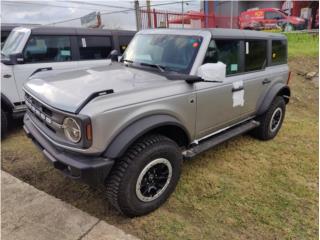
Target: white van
(28,51)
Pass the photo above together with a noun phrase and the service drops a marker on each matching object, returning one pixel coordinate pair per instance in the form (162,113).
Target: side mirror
(16,58)
(212,71)
(114,55)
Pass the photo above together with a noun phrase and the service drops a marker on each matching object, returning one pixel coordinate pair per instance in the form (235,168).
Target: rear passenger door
(93,50)
(255,78)
(43,52)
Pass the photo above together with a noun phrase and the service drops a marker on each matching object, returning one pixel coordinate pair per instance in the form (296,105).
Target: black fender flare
(279,89)
(6,102)
(137,129)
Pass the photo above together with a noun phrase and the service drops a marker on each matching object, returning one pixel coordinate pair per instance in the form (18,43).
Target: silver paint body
(202,108)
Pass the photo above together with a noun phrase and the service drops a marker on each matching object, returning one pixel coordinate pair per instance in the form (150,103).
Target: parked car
(28,51)
(270,18)
(173,95)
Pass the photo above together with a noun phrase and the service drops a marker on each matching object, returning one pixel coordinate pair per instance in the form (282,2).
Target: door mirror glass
(212,71)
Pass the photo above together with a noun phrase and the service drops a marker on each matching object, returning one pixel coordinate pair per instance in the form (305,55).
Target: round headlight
(72,129)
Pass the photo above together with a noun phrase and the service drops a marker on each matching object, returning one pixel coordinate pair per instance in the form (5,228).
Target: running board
(219,138)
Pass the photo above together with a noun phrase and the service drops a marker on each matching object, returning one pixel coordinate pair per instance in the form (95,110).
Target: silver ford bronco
(129,125)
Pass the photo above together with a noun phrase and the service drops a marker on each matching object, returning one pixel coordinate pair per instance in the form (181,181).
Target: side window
(226,51)
(124,42)
(47,49)
(94,47)
(273,15)
(255,55)
(279,52)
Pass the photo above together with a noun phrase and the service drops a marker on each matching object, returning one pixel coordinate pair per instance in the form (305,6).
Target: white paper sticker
(84,44)
(238,96)
(247,47)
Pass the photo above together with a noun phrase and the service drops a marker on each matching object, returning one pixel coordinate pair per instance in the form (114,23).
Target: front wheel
(145,177)
(271,121)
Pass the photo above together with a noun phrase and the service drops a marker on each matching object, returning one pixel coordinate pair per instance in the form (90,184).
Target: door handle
(237,89)
(266,81)
(7,76)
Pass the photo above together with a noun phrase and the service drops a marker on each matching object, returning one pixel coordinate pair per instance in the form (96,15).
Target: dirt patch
(242,189)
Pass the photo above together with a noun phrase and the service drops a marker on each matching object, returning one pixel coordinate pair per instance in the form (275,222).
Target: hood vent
(92,96)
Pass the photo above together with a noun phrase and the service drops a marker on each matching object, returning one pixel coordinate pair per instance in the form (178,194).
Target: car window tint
(255,55)
(273,15)
(47,49)
(226,51)
(94,47)
(279,51)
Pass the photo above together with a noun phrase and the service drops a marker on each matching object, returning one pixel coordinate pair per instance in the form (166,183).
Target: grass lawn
(242,189)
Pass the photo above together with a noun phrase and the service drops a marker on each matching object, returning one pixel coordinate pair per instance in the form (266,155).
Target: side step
(219,138)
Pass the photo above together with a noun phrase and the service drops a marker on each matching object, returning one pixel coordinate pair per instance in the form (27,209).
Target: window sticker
(66,53)
(234,67)
(84,44)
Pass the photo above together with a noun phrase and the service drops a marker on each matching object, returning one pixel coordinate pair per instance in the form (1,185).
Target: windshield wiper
(160,67)
(127,60)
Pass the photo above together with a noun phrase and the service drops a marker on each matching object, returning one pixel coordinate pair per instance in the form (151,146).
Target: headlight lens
(72,129)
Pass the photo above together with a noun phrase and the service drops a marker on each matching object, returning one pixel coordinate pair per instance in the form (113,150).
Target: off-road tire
(121,184)
(4,123)
(263,132)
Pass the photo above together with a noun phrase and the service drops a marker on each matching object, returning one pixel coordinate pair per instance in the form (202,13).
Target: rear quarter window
(94,47)
(279,52)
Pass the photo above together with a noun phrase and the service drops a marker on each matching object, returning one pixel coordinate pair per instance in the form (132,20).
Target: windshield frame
(187,70)
(18,48)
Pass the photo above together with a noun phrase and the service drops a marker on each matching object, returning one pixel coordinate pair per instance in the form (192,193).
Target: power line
(47,5)
(99,4)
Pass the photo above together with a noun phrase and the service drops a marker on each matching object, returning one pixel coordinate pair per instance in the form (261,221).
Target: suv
(173,95)
(270,18)
(29,50)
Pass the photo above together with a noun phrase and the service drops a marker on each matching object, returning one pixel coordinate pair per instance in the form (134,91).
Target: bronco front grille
(41,112)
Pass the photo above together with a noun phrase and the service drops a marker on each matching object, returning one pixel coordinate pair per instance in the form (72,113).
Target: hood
(67,91)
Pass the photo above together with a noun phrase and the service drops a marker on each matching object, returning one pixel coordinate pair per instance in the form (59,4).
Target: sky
(48,12)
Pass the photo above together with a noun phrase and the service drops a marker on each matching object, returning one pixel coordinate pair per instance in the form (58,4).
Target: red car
(270,18)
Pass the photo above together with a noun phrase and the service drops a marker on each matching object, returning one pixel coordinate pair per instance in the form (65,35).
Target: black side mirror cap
(114,55)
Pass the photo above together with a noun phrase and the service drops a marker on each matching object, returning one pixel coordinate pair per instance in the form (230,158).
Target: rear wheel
(145,177)
(4,123)
(271,121)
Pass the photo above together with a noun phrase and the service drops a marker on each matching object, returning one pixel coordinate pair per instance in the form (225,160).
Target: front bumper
(90,169)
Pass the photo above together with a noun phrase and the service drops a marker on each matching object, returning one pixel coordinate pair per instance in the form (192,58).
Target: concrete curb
(28,213)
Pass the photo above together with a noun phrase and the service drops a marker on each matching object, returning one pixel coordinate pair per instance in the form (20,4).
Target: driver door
(216,106)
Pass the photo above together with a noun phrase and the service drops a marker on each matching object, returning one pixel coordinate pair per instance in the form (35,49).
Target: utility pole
(138,16)
(182,13)
(231,14)
(149,13)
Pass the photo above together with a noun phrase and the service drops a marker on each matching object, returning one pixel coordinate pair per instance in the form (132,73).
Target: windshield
(170,52)
(12,43)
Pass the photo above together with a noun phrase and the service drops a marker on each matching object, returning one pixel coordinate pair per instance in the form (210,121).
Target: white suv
(28,51)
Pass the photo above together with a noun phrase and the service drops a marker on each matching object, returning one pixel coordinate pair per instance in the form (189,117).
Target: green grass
(242,189)
(303,44)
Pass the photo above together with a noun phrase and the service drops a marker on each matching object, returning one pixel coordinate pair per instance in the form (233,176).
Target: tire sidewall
(278,103)
(128,196)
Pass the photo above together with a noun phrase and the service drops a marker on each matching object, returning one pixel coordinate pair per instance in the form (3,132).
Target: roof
(51,30)
(225,33)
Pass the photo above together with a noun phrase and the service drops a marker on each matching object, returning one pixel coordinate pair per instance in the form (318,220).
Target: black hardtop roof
(51,30)
(246,34)
(223,33)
